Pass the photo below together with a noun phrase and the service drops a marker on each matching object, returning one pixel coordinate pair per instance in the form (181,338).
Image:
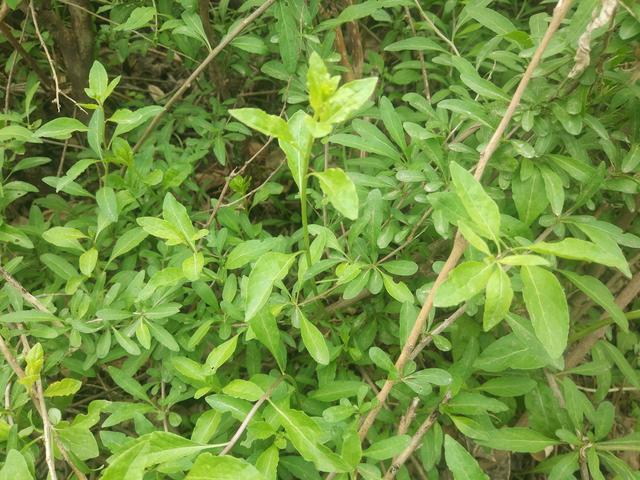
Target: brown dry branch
(459,244)
(233,33)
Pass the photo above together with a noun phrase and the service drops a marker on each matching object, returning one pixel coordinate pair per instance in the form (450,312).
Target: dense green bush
(257,240)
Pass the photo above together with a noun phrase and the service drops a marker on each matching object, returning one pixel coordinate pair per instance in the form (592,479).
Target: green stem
(305,221)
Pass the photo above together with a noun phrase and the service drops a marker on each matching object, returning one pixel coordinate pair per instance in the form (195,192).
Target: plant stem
(305,222)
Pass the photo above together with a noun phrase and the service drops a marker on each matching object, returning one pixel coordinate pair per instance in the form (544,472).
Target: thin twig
(459,244)
(46,53)
(416,440)
(423,64)
(250,415)
(212,55)
(408,417)
(4,28)
(437,31)
(28,297)
(47,431)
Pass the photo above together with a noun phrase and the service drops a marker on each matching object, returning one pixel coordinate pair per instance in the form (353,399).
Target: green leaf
(478,204)
(472,79)
(127,242)
(271,267)
(164,337)
(251,44)
(27,316)
(79,440)
(401,267)
(265,328)
(347,100)
(470,236)
(95,134)
(565,466)
(98,82)
(64,237)
(498,297)
(630,374)
(34,360)
(392,122)
(628,443)
(211,467)
(336,390)
(219,355)
(59,266)
(304,433)
(267,463)
(529,197)
(298,151)
(340,191)
(176,215)
(161,229)
(387,448)
(508,386)
(138,18)
(434,376)
(491,19)
(460,462)
(313,340)
(243,389)
(270,125)
(192,266)
(127,120)
(547,306)
(129,464)
(320,84)
(15,467)
(87,261)
(575,249)
(380,358)
(107,203)
(518,439)
(397,290)
(60,128)
(466,108)
(414,43)
(524,260)
(193,24)
(289,37)
(62,388)
(465,281)
(128,384)
(599,293)
(554,189)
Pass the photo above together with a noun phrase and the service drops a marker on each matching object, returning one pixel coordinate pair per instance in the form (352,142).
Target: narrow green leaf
(460,462)
(479,205)
(340,191)
(599,293)
(499,295)
(547,306)
(313,340)
(271,267)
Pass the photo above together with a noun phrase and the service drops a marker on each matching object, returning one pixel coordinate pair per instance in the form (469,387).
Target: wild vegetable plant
(443,284)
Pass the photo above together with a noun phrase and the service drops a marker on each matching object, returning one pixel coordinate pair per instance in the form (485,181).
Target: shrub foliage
(294,239)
